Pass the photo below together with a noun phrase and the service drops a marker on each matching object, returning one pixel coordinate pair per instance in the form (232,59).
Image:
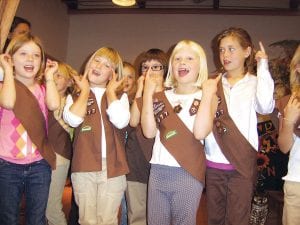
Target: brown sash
(178,139)
(233,144)
(280,105)
(28,111)
(59,137)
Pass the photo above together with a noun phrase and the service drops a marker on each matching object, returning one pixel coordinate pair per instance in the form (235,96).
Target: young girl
(289,141)
(60,137)
(178,162)
(138,148)
(232,146)
(99,163)
(25,152)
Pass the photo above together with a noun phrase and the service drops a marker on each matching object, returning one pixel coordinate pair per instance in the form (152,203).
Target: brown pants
(229,197)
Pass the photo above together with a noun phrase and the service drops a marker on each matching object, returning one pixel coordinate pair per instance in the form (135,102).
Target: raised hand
(261,54)
(6,64)
(114,84)
(150,83)
(51,68)
(292,109)
(209,87)
(82,82)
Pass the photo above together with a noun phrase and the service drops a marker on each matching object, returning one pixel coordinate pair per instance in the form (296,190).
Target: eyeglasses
(153,68)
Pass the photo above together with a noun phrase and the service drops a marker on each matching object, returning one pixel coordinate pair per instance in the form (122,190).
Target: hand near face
(292,109)
(6,64)
(114,84)
(150,83)
(209,87)
(82,82)
(51,68)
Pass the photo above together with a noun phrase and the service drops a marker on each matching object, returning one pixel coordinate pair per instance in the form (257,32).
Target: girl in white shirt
(229,192)
(178,162)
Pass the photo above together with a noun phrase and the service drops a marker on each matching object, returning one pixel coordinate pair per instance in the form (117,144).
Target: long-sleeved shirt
(250,95)
(118,113)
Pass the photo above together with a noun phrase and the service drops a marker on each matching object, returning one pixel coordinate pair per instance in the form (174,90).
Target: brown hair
(244,40)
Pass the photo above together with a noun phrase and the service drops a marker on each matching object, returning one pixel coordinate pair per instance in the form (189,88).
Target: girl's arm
(118,109)
(203,123)
(135,114)
(7,88)
(287,124)
(52,94)
(79,107)
(264,103)
(147,118)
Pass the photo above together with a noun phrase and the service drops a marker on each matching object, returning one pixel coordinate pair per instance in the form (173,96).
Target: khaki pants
(54,212)
(291,208)
(97,197)
(136,198)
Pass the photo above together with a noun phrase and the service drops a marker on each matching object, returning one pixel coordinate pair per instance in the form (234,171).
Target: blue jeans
(32,180)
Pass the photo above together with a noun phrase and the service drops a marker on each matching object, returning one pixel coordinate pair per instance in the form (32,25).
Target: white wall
(50,22)
(132,33)
(73,37)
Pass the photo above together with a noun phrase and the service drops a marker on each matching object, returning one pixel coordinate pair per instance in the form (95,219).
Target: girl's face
(100,71)
(185,66)
(156,70)
(129,78)
(21,28)
(62,81)
(232,55)
(27,61)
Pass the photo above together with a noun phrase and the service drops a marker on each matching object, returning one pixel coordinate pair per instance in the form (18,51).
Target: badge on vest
(86,128)
(158,109)
(194,107)
(171,134)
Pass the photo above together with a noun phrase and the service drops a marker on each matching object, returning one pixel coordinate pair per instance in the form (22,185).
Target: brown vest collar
(87,142)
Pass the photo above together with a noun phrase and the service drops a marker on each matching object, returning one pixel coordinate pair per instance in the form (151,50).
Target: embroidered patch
(158,107)
(171,134)
(194,107)
(86,128)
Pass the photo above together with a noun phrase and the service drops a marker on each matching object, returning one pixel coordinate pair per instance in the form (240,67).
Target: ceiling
(169,6)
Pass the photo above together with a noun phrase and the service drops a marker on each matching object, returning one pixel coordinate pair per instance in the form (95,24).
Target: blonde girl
(60,137)
(289,141)
(178,163)
(99,164)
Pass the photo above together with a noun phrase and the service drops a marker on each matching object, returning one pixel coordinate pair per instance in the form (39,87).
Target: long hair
(244,39)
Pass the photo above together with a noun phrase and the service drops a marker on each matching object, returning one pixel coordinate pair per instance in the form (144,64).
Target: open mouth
(28,68)
(183,72)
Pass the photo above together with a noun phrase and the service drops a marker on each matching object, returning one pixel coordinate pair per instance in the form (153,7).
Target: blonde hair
(113,56)
(69,73)
(294,74)
(17,42)
(131,67)
(203,72)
